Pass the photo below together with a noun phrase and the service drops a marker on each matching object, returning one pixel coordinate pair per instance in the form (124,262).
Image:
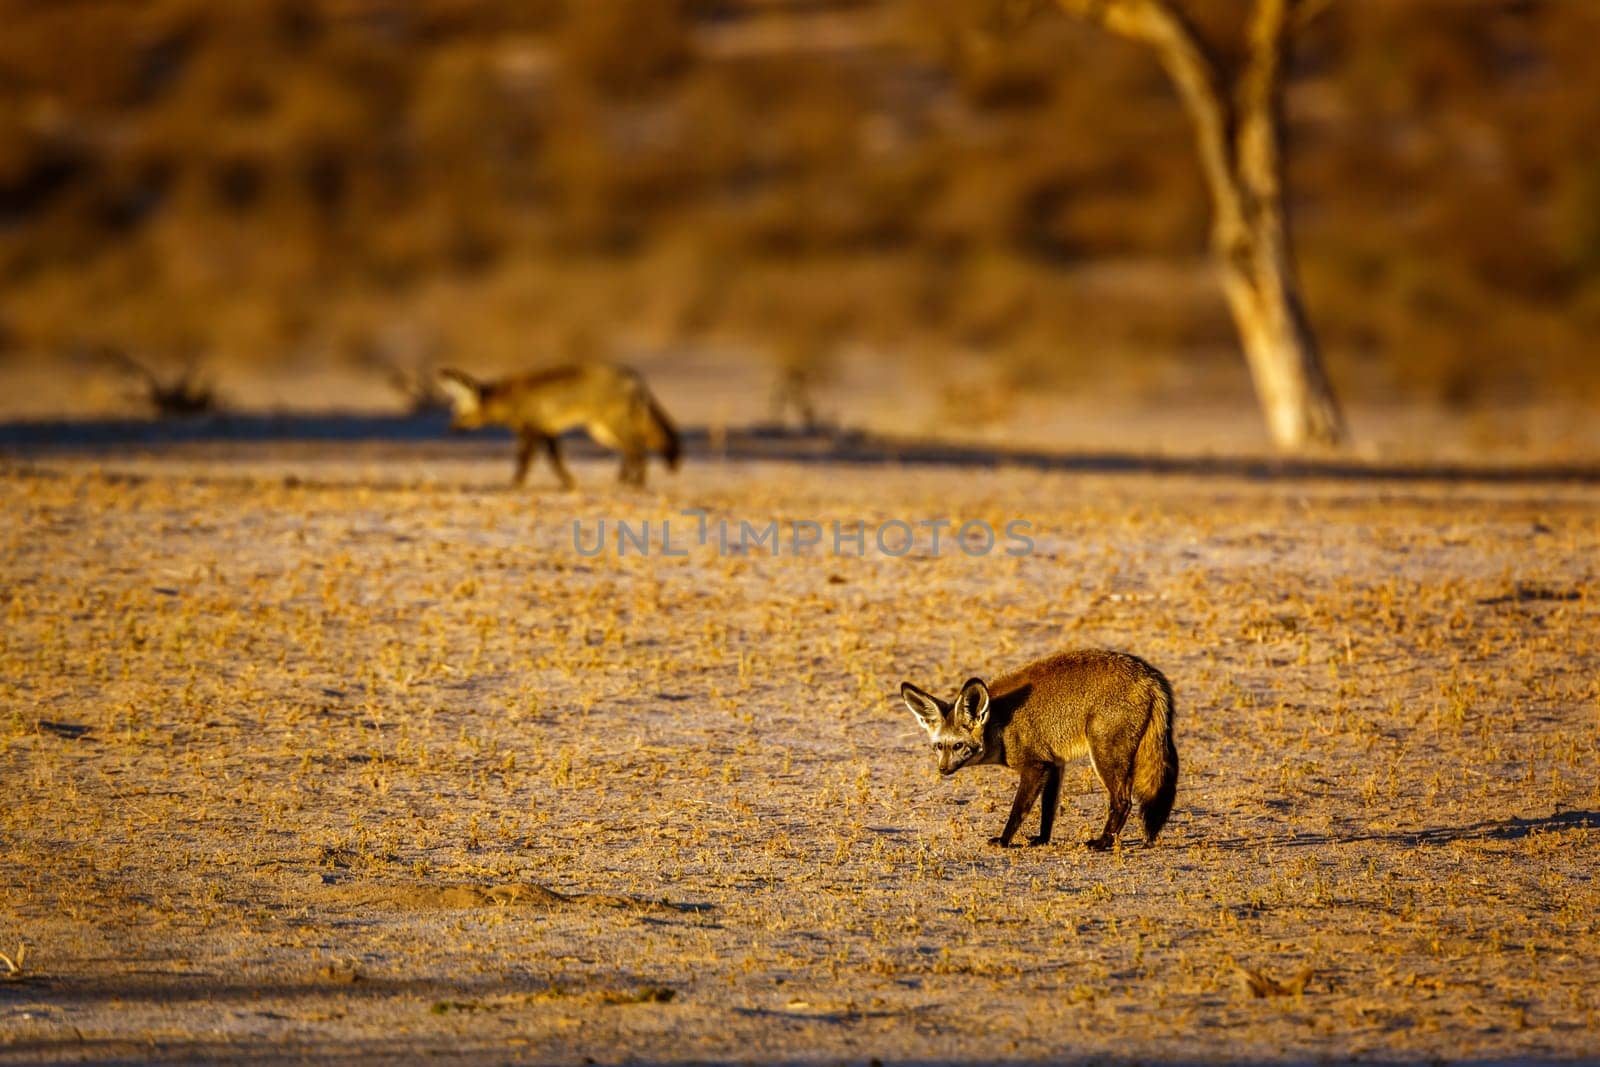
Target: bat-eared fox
(610,402)
(1112,706)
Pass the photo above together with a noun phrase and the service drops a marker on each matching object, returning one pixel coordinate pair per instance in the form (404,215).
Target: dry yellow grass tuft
(1260,984)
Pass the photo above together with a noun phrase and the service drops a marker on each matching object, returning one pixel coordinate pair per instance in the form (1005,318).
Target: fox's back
(558,399)
(1043,709)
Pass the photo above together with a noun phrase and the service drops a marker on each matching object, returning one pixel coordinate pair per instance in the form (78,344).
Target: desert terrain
(318,743)
(348,751)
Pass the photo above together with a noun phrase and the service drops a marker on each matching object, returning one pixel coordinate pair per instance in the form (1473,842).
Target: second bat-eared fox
(610,402)
(1112,706)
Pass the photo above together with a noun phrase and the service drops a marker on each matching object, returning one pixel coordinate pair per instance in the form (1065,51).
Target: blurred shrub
(267,178)
(627,47)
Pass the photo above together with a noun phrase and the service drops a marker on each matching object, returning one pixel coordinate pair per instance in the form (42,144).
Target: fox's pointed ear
(462,390)
(923,706)
(973,703)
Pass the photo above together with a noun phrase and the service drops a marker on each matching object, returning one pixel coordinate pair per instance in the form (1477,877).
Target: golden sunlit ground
(373,762)
(318,743)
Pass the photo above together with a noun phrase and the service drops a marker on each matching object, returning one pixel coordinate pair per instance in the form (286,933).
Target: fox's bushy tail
(1155,765)
(663,434)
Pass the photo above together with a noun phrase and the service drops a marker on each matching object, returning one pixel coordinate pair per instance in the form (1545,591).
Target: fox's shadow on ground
(430,430)
(1512,829)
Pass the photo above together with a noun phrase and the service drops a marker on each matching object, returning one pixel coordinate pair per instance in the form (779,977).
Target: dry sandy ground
(361,757)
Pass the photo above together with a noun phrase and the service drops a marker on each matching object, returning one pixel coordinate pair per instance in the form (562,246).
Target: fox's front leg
(526,443)
(1048,802)
(552,448)
(1033,778)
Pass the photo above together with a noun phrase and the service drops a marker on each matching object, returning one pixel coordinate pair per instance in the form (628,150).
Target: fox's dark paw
(1038,839)
(999,842)
(1099,844)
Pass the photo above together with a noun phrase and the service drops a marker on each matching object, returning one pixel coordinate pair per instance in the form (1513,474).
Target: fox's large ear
(923,706)
(462,390)
(973,703)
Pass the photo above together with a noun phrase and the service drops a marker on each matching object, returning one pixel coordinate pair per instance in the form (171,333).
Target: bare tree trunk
(1239,144)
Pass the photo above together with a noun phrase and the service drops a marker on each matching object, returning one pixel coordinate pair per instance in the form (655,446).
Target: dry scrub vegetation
(377,764)
(271,182)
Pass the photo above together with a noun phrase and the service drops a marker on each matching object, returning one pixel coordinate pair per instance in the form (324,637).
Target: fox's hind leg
(1111,752)
(1033,779)
(1116,815)
(632,472)
(1049,800)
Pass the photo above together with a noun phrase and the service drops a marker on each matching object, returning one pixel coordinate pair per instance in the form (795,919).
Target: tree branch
(1259,105)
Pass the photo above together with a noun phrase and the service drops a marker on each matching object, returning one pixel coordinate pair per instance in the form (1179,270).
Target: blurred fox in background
(610,402)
